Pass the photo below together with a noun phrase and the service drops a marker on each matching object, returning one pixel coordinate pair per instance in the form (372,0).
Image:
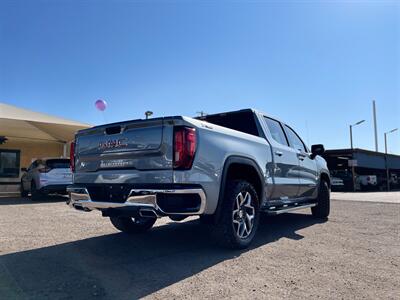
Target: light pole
(352,156)
(386,158)
(351,131)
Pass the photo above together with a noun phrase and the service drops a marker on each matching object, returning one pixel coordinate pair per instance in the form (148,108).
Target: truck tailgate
(134,145)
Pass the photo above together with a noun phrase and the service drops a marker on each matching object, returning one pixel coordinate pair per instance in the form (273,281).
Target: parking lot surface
(384,197)
(48,251)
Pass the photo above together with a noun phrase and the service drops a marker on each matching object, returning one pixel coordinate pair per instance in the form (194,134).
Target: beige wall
(31,149)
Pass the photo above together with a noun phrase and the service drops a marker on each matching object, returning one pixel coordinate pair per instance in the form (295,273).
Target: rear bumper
(54,188)
(145,202)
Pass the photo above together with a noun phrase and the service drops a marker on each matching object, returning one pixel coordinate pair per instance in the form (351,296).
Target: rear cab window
(243,121)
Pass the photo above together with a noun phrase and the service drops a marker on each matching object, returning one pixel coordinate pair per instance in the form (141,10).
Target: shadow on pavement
(28,200)
(119,266)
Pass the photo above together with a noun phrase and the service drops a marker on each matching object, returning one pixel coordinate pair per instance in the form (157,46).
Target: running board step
(284,209)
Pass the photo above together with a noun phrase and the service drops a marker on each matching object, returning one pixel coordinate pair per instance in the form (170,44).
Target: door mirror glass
(317,150)
(24,169)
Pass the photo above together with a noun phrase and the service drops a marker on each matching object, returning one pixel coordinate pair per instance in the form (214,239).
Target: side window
(294,140)
(276,131)
(40,163)
(33,165)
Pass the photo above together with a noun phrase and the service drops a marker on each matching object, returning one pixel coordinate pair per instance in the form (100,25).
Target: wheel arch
(325,177)
(250,171)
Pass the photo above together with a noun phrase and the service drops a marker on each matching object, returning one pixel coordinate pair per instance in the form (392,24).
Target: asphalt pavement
(49,251)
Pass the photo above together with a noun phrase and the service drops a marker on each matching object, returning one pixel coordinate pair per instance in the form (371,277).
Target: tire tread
(223,228)
(127,225)
(322,209)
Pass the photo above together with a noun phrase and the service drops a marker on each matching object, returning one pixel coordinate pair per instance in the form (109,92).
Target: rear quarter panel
(215,145)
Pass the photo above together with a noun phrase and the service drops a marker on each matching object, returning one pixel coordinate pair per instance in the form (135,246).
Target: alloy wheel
(243,215)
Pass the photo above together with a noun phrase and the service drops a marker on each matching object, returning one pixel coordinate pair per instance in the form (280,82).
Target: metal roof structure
(21,123)
(365,158)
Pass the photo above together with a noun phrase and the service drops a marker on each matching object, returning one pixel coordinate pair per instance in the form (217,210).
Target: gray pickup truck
(226,168)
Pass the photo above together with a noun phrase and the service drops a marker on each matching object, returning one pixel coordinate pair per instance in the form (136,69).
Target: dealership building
(344,164)
(26,135)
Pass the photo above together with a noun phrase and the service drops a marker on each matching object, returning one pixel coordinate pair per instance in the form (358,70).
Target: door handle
(279,153)
(301,156)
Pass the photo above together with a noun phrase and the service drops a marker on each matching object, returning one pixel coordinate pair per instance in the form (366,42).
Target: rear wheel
(35,193)
(322,209)
(23,192)
(133,225)
(206,219)
(239,217)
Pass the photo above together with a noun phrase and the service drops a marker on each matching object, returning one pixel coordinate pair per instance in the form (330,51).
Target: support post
(387,165)
(375,125)
(351,137)
(353,171)
(65,150)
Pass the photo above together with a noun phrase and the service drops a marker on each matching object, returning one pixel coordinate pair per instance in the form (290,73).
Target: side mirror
(317,150)
(24,169)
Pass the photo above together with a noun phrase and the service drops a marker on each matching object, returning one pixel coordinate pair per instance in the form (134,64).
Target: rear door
(286,163)
(58,171)
(308,173)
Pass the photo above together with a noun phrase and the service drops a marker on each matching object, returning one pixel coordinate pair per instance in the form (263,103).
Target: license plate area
(116,193)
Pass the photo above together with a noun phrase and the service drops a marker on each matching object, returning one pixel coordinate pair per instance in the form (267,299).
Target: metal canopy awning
(365,158)
(21,123)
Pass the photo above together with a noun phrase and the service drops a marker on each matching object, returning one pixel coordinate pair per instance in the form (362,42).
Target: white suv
(46,176)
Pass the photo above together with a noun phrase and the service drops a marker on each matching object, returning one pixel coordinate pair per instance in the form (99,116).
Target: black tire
(35,193)
(207,220)
(229,225)
(321,211)
(133,225)
(23,192)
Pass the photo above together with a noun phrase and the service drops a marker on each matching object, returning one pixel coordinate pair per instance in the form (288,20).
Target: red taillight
(184,147)
(72,157)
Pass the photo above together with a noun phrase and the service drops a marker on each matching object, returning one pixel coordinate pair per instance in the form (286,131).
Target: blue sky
(316,65)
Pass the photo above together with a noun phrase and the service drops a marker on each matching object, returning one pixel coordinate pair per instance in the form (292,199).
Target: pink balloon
(101,105)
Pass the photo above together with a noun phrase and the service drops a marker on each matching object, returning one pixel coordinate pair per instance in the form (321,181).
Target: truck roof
(253,110)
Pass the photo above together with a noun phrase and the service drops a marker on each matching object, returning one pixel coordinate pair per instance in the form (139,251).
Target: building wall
(368,163)
(29,150)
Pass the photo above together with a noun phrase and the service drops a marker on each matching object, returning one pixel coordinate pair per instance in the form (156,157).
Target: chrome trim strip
(143,198)
(278,212)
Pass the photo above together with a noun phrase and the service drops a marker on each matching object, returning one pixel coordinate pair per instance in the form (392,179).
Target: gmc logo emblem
(113,144)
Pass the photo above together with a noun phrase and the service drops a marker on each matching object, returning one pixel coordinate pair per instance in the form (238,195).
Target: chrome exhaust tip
(148,213)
